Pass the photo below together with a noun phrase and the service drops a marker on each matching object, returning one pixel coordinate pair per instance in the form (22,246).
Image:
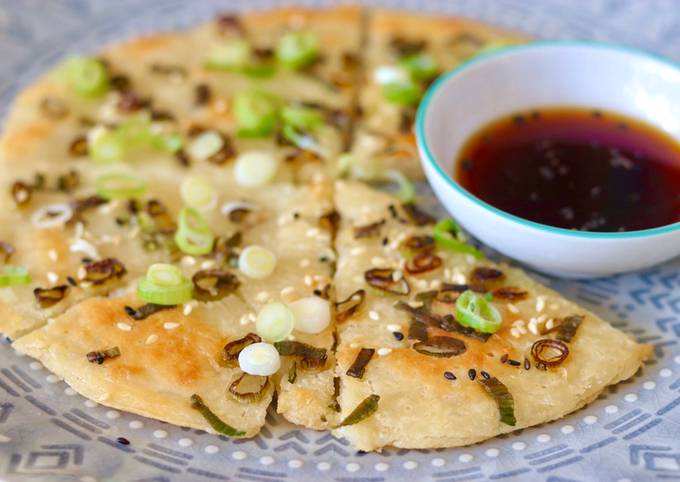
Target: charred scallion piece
(369,230)
(47,297)
(214,284)
(215,422)
(310,356)
(568,326)
(503,398)
(335,405)
(231,350)
(483,279)
(99,356)
(292,373)
(387,280)
(6,250)
(549,353)
(416,215)
(145,311)
(99,272)
(449,293)
(360,362)
(362,411)
(21,193)
(510,293)
(331,222)
(418,244)
(249,388)
(346,308)
(440,347)
(423,263)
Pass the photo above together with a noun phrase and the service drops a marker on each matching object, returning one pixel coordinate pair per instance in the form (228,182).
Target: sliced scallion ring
(297,49)
(168,142)
(88,77)
(165,285)
(255,168)
(205,145)
(420,66)
(107,147)
(301,117)
(119,186)
(136,129)
(448,235)
(407,191)
(475,311)
(256,113)
(230,56)
(312,314)
(402,92)
(193,235)
(198,193)
(14,276)
(259,359)
(257,262)
(52,216)
(275,322)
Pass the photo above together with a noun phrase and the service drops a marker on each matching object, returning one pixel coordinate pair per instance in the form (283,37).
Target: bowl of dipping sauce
(562,155)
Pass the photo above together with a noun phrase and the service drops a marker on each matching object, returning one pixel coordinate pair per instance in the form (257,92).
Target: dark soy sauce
(575,168)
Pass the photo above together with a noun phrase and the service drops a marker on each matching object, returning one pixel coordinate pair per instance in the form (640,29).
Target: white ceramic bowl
(548,74)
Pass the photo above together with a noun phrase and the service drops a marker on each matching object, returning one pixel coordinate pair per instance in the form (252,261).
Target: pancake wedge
(429,400)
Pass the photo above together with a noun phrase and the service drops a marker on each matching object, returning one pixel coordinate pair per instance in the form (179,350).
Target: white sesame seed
(514,332)
(208,264)
(378,261)
(421,284)
(187,309)
(312,232)
(354,345)
(415,304)
(50,321)
(288,290)
(533,328)
(540,304)
(188,261)
(308,280)
(151,339)
(170,326)
(52,277)
(512,308)
(393,327)
(304,263)
(244,320)
(82,273)
(550,324)
(252,316)
(53,255)
(397,275)
(357,250)
(123,326)
(384,351)
(374,315)
(262,296)
(435,284)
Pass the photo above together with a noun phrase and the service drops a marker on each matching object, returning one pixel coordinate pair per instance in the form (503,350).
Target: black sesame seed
(504,358)
(514,363)
(398,335)
(472,373)
(317,292)
(123,441)
(71,281)
(385,241)
(296,215)
(527,365)
(485,375)
(86,260)
(449,376)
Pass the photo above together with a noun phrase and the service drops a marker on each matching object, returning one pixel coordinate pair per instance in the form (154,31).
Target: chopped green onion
(302,140)
(402,93)
(119,186)
(503,398)
(170,143)
(88,77)
(297,49)
(275,322)
(198,193)
(215,422)
(301,117)
(420,66)
(407,191)
(233,55)
(259,70)
(259,359)
(107,147)
(365,409)
(136,129)
(255,113)
(206,145)
(447,234)
(255,168)
(14,275)
(256,262)
(193,235)
(165,285)
(475,311)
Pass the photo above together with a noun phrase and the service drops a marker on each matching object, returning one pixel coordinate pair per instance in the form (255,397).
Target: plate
(630,433)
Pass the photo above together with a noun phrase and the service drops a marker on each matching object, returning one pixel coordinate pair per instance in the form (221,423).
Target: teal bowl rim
(499,52)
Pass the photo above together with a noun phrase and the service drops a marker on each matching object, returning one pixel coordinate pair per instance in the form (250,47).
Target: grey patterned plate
(632,432)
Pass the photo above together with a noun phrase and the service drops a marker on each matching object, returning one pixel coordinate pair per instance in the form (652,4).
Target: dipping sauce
(575,168)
